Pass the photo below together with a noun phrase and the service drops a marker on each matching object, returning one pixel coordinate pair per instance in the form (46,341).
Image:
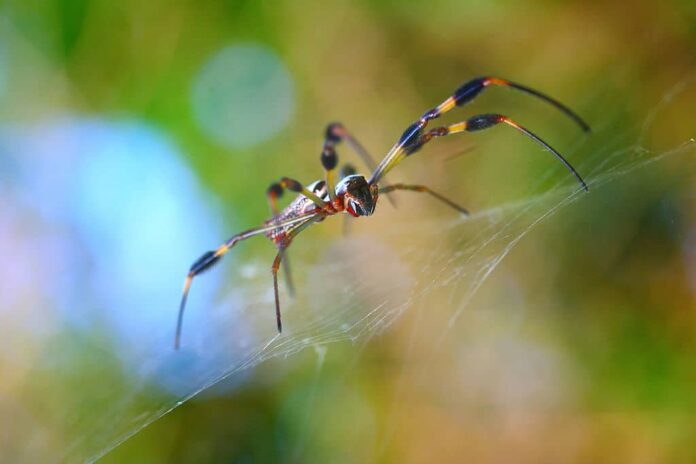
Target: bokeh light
(242,95)
(113,207)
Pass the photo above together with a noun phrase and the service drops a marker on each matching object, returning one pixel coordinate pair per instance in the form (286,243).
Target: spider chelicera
(356,195)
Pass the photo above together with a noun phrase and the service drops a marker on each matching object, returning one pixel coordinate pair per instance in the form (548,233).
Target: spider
(355,194)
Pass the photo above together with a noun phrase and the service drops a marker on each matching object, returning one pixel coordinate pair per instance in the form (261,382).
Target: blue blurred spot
(141,214)
(136,219)
(243,95)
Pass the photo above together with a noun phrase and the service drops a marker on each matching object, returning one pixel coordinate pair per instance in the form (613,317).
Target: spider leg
(274,270)
(297,187)
(210,258)
(335,134)
(476,123)
(461,96)
(274,192)
(329,160)
(282,250)
(474,87)
(424,189)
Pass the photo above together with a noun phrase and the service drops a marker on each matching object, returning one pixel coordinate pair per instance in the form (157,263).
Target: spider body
(281,235)
(353,195)
(357,195)
(299,207)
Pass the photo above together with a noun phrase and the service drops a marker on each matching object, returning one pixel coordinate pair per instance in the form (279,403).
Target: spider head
(360,197)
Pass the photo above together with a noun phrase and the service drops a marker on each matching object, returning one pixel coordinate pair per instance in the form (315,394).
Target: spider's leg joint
(431,114)
(483,121)
(291,184)
(439,131)
(425,138)
(275,191)
(412,133)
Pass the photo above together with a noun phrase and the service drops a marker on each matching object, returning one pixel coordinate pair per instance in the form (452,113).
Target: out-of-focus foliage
(134,135)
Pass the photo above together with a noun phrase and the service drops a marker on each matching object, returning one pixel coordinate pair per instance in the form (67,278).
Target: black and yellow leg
(424,189)
(481,122)
(461,96)
(329,160)
(474,87)
(202,264)
(335,134)
(485,121)
(211,258)
(297,187)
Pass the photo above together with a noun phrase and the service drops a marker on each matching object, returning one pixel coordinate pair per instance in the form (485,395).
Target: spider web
(365,286)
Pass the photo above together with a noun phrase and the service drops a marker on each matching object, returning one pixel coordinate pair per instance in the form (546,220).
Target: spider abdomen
(297,207)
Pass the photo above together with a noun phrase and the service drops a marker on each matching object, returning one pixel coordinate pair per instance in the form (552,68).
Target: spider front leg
(461,96)
(485,121)
(474,87)
(416,140)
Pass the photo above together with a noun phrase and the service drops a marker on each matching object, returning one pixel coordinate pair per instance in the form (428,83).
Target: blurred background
(134,136)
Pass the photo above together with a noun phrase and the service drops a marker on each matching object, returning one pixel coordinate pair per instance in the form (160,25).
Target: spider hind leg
(274,192)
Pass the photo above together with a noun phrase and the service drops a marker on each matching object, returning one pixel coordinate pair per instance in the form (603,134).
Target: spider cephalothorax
(356,195)
(360,198)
